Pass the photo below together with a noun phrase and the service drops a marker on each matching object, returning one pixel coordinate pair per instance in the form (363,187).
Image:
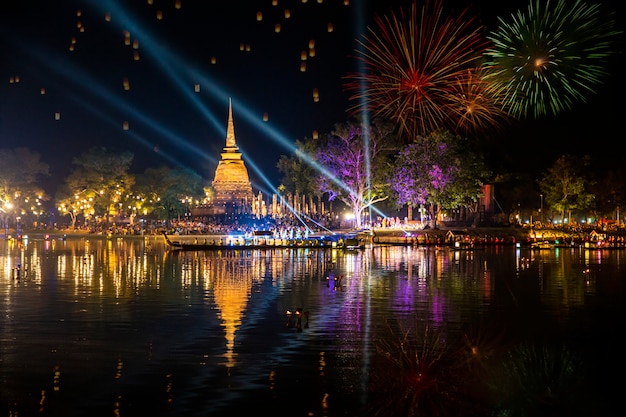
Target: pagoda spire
(230,129)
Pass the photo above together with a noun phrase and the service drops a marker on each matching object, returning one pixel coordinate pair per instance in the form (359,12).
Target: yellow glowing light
(159,15)
(107,16)
(177,4)
(266,117)
(287,14)
(196,88)
(303,55)
(42,91)
(57,115)
(259,16)
(277,28)
(303,67)
(213,60)
(125,125)
(315,134)
(330,27)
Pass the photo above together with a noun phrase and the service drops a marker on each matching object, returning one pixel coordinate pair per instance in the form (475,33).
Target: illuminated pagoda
(233,191)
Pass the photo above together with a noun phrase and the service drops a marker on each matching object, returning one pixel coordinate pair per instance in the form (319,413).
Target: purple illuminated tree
(353,163)
(438,172)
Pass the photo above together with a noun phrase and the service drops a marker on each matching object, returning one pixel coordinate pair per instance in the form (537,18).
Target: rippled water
(105,327)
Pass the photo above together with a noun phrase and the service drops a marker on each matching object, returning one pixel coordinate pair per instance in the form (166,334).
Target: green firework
(545,60)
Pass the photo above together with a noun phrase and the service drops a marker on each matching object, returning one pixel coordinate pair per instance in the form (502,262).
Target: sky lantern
(312,52)
(315,134)
(126,84)
(274,2)
(287,14)
(213,60)
(266,117)
(303,67)
(126,38)
(259,16)
(159,15)
(79,13)
(196,88)
(316,95)
(312,44)
(248,48)
(42,91)
(177,4)
(241,47)
(346,2)
(107,17)
(136,55)
(125,125)
(330,27)
(303,56)
(71,47)
(277,28)
(150,2)
(57,115)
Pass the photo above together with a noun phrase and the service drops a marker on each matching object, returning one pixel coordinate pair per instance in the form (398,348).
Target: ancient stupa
(233,191)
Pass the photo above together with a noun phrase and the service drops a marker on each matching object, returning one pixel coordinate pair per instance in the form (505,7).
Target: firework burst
(545,60)
(413,64)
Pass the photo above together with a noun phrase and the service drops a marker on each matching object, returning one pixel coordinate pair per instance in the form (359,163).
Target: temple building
(233,190)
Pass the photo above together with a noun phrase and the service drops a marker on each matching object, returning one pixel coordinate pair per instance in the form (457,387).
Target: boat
(258,241)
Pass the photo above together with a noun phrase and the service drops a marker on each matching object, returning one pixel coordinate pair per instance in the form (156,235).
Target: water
(104,327)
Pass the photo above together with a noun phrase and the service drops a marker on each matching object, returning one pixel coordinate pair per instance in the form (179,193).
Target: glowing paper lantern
(274,2)
(266,117)
(42,91)
(315,134)
(196,88)
(303,55)
(126,84)
(312,52)
(346,2)
(312,44)
(136,56)
(277,28)
(287,14)
(57,115)
(259,16)
(159,15)
(303,67)
(213,60)
(135,44)
(177,4)
(330,27)
(125,125)
(107,16)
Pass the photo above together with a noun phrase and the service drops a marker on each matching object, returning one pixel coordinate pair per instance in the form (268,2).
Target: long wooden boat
(259,241)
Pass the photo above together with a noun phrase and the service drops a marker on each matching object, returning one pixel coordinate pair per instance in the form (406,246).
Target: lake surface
(106,327)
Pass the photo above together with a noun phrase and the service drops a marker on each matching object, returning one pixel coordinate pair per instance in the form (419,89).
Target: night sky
(154,77)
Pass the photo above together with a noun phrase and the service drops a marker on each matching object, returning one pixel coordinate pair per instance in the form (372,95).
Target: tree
(439,171)
(353,162)
(20,193)
(167,192)
(98,185)
(565,190)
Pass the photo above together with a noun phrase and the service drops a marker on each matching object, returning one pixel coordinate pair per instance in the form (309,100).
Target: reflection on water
(124,326)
